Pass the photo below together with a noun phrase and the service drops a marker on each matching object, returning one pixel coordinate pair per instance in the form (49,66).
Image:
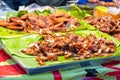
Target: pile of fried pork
(106,24)
(57,21)
(69,46)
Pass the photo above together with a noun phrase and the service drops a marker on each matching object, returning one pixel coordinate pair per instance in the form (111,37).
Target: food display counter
(75,42)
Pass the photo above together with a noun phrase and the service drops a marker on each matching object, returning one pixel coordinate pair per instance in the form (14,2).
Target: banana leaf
(7,33)
(73,10)
(43,13)
(20,13)
(83,26)
(11,14)
(15,45)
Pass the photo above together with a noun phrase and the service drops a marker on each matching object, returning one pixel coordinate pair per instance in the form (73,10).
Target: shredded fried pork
(70,46)
(56,21)
(106,24)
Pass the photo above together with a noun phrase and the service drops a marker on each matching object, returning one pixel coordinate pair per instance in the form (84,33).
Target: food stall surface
(10,70)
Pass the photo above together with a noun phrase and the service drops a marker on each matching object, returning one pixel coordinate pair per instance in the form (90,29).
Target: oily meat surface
(106,24)
(57,21)
(70,46)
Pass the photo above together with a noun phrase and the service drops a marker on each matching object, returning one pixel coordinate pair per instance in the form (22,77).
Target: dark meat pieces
(57,21)
(14,23)
(113,4)
(78,47)
(117,36)
(103,3)
(93,1)
(105,24)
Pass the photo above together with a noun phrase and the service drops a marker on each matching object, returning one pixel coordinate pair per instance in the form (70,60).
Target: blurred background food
(14,4)
(104,11)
